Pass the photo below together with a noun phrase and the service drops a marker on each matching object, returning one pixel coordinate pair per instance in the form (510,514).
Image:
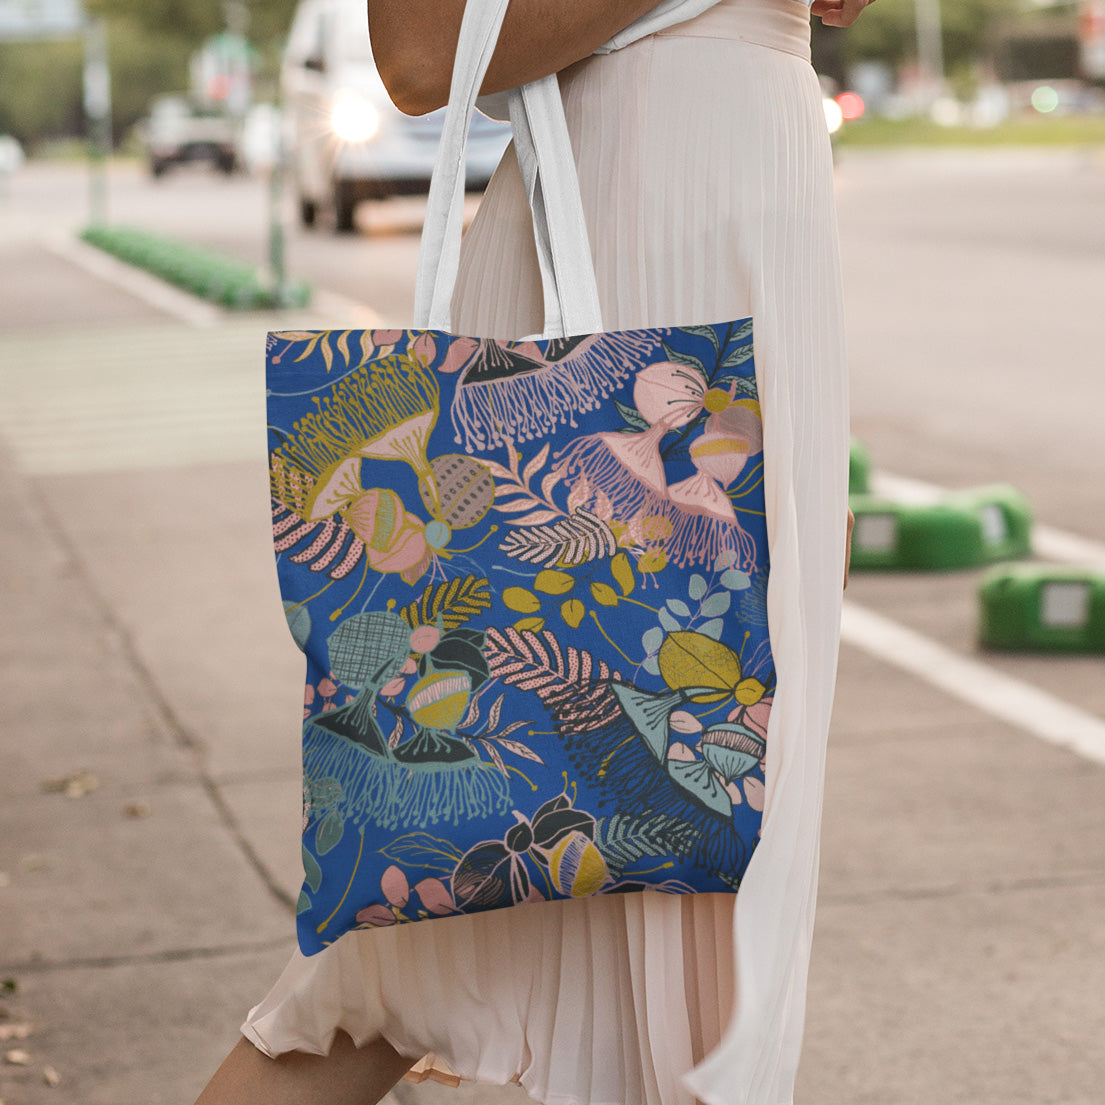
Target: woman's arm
(414,43)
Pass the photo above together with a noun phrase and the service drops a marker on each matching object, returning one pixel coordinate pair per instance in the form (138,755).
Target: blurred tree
(40,93)
(193,20)
(887,31)
(150,43)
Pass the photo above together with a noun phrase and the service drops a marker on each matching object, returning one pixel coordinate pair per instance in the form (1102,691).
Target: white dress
(706,179)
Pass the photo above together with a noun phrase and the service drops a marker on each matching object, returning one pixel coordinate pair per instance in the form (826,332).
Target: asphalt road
(959,951)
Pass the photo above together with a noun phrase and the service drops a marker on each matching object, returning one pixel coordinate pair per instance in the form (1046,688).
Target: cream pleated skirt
(706,178)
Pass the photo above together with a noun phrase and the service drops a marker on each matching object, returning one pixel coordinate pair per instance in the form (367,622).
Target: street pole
(930,49)
(97,110)
(277,263)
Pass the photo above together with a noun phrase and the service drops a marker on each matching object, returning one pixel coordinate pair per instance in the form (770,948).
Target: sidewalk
(960,950)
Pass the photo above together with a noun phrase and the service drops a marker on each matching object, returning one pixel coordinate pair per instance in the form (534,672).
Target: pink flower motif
(683,721)
(668,392)
(326,706)
(435,896)
(704,524)
(409,667)
(754,792)
(377,915)
(424,348)
(682,752)
(308,695)
(741,419)
(386,337)
(754,717)
(394,686)
(349,698)
(395,886)
(733,789)
(424,638)
(720,456)
(460,353)
(326,688)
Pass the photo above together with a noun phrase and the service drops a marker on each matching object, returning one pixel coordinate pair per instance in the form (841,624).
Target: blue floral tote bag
(529,577)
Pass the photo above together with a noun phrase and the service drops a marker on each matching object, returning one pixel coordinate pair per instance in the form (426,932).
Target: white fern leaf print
(572,541)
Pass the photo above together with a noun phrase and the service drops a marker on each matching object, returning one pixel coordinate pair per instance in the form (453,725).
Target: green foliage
(887,31)
(192,21)
(40,93)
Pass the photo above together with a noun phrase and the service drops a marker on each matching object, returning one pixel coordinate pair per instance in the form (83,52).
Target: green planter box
(859,468)
(964,529)
(1042,608)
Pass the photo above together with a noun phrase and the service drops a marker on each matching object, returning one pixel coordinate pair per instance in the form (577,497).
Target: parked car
(177,132)
(347,141)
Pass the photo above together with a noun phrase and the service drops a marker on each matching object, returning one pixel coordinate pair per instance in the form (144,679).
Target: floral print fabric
(530,581)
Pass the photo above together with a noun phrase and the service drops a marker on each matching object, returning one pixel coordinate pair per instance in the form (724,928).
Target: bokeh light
(852,106)
(1045,98)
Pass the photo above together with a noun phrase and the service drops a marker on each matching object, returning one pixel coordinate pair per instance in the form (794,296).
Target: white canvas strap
(547,166)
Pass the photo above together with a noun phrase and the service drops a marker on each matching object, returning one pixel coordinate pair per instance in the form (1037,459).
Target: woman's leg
(347,1076)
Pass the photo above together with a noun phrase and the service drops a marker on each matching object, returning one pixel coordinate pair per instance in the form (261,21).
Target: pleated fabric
(706,179)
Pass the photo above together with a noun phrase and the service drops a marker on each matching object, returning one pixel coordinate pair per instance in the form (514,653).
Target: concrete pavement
(960,949)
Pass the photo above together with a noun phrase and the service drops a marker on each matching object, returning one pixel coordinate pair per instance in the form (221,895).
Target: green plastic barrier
(1005,517)
(859,468)
(1042,608)
(964,529)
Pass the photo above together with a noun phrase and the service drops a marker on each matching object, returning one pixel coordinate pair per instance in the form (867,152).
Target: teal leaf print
(712,628)
(696,588)
(632,416)
(312,871)
(668,622)
(689,359)
(299,623)
(704,332)
(738,357)
(716,605)
(735,580)
(623,838)
(304,903)
(678,606)
(330,831)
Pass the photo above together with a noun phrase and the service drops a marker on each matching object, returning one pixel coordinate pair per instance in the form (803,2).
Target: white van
(348,141)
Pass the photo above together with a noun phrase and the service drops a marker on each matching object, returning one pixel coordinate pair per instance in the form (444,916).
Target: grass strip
(1070,130)
(204,273)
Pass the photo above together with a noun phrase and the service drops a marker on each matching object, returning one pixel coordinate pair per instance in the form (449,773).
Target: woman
(705,175)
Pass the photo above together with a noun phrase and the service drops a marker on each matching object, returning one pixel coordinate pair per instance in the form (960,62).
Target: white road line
(140,284)
(1047,541)
(975,682)
(1026,707)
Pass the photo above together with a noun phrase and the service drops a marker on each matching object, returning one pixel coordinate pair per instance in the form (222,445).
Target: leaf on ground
(72,786)
(50,1076)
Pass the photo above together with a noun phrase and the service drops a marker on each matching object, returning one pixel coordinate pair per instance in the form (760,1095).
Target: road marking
(972,681)
(976,683)
(138,283)
(1047,541)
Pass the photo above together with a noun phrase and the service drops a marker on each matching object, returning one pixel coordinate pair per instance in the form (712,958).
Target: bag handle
(544,153)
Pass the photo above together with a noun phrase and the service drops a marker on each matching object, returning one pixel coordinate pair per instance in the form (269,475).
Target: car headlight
(354,119)
(834,116)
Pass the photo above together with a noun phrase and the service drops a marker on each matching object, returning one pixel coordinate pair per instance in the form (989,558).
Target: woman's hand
(839,13)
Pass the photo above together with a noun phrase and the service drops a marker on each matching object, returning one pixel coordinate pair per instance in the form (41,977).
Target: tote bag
(529,576)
